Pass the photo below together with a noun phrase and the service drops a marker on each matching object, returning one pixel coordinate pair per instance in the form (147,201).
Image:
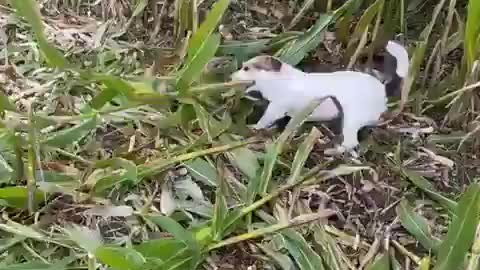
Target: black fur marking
(387,64)
(268,63)
(275,63)
(255,94)
(392,87)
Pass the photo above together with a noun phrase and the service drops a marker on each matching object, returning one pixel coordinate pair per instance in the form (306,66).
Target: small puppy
(359,98)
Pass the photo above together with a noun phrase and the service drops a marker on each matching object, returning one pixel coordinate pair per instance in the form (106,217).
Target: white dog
(357,96)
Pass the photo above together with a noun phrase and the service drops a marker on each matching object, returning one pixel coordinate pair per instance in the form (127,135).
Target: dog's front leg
(272,113)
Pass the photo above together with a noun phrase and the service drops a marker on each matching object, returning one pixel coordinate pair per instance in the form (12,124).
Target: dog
(358,98)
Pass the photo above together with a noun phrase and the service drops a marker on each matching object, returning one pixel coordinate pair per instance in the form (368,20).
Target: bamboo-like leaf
(206,29)
(202,171)
(429,189)
(461,231)
(302,154)
(30,11)
(416,225)
(71,135)
(382,263)
(196,63)
(294,52)
(178,232)
(120,258)
(5,104)
(472,32)
(18,196)
(424,264)
(220,209)
(365,21)
(418,55)
(300,250)
(243,158)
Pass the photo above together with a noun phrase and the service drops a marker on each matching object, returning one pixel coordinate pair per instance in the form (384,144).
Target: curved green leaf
(71,135)
(416,225)
(29,10)
(461,231)
(197,62)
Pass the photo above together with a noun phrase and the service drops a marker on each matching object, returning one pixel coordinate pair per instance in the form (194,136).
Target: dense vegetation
(124,146)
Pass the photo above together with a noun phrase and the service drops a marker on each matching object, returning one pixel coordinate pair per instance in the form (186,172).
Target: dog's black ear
(268,63)
(275,63)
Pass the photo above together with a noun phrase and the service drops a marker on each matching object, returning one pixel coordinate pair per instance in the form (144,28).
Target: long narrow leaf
(30,11)
(461,232)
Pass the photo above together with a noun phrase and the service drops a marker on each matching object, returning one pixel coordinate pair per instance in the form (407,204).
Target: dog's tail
(390,66)
(397,57)
(393,64)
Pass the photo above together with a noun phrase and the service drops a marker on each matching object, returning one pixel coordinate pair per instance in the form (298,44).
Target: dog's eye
(246,68)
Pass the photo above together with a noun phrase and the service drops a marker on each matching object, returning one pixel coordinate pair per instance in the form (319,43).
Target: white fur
(399,52)
(362,96)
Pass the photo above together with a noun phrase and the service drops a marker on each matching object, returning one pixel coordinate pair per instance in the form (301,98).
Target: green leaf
(21,230)
(177,230)
(196,63)
(88,239)
(30,11)
(472,32)
(18,196)
(220,209)
(302,154)
(202,171)
(243,158)
(162,249)
(120,163)
(5,104)
(205,31)
(120,258)
(428,188)
(424,264)
(416,225)
(382,263)
(294,52)
(39,265)
(461,231)
(105,96)
(72,135)
(365,20)
(203,119)
(300,250)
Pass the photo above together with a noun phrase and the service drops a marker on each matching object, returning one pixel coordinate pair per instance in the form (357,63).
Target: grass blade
(428,188)
(461,231)
(194,67)
(382,263)
(472,31)
(206,29)
(71,135)
(416,225)
(305,257)
(30,11)
(294,52)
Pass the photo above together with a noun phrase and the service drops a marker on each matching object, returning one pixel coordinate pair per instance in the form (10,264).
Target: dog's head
(260,67)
